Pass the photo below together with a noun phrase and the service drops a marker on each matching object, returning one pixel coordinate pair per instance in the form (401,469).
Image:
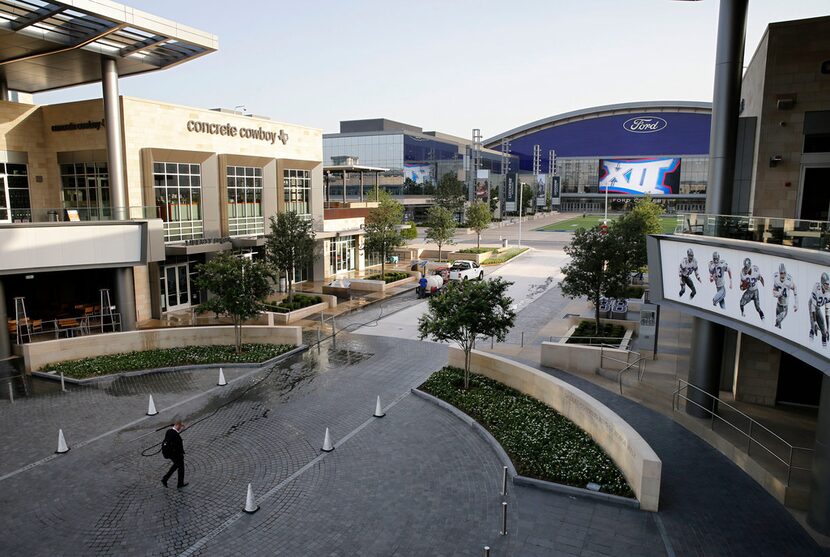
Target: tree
(478,218)
(597,268)
(450,193)
(290,245)
(632,228)
(466,309)
(238,287)
(440,226)
(528,198)
(382,233)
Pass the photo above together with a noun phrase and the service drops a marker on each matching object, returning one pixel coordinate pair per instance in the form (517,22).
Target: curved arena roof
(598,112)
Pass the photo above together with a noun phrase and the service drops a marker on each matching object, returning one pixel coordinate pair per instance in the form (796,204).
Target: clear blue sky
(446,65)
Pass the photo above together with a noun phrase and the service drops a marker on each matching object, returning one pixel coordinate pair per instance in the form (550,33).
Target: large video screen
(658,176)
(779,295)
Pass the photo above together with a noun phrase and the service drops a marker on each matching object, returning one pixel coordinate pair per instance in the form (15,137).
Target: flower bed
(391,276)
(474,250)
(587,330)
(299,301)
(168,357)
(504,256)
(542,443)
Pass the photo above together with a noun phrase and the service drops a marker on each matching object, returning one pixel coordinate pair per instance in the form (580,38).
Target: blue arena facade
(658,148)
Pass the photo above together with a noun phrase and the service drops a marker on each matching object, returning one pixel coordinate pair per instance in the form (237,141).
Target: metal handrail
(676,395)
(639,362)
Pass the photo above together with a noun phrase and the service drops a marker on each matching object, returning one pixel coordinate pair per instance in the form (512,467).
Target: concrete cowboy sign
(234,131)
(72,126)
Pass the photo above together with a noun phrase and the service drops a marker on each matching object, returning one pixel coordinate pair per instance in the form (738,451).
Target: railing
(68,214)
(808,234)
(639,362)
(755,425)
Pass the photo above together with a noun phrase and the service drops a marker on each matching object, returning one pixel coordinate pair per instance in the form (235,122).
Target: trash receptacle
(53,216)
(504,242)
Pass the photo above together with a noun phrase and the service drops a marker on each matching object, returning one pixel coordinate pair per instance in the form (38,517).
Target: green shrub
(299,301)
(541,442)
(634,291)
(168,357)
(587,330)
(410,233)
(475,250)
(504,256)
(391,276)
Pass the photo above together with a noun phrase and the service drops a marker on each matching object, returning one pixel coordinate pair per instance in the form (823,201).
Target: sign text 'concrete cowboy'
(645,124)
(234,131)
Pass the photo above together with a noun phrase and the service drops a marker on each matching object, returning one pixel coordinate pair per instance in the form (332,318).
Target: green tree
(478,218)
(466,310)
(289,246)
(494,199)
(382,229)
(410,232)
(441,226)
(450,193)
(597,268)
(237,286)
(528,198)
(632,228)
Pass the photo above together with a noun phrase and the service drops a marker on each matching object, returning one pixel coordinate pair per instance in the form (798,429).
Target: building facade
(415,160)
(655,148)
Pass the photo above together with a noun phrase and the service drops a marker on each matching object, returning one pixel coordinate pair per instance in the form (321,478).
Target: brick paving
(417,482)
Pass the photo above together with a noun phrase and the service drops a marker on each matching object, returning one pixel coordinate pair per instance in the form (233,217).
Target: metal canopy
(353,168)
(50,45)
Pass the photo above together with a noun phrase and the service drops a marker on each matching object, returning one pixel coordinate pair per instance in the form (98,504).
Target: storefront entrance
(175,287)
(815,195)
(341,255)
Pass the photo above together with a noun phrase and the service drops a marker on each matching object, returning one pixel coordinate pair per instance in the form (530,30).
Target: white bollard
(379,413)
(250,505)
(503,519)
(11,393)
(151,407)
(63,384)
(327,445)
(222,381)
(62,446)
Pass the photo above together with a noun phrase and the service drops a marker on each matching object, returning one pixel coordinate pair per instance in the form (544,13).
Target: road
(532,274)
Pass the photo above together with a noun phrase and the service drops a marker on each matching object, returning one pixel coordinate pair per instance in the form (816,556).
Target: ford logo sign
(645,124)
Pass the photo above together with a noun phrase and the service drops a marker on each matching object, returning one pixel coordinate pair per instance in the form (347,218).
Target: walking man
(820,321)
(173,449)
(782,286)
(750,277)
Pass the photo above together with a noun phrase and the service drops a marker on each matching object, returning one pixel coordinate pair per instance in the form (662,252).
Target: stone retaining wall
(635,458)
(38,354)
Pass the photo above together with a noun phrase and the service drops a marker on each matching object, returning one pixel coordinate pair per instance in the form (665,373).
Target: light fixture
(774,160)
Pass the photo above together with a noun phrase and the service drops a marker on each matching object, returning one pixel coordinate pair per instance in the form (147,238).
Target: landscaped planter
(367,285)
(275,318)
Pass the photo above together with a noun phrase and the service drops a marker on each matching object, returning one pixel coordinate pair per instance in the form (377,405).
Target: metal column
(361,185)
(123,279)
(818,514)
(344,186)
(377,186)
(707,337)
(5,344)
(4,89)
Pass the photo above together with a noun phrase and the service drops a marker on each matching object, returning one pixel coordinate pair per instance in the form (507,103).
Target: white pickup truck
(463,269)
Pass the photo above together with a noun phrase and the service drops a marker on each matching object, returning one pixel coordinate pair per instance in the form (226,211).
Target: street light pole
(519,185)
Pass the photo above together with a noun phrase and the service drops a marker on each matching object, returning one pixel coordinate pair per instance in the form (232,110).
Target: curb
(515,477)
(54,376)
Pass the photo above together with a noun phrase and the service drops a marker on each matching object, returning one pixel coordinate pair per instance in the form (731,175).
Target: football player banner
(782,296)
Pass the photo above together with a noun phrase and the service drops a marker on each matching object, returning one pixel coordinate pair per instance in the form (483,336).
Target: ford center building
(658,148)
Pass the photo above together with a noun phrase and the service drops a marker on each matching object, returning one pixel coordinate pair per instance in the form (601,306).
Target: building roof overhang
(47,45)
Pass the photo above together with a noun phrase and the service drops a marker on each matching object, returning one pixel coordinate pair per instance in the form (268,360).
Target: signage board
(511,193)
(556,192)
(541,190)
(652,176)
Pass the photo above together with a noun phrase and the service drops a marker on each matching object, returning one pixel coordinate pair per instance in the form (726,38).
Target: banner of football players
(783,296)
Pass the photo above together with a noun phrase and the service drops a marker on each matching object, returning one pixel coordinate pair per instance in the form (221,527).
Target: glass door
(5,212)
(176,287)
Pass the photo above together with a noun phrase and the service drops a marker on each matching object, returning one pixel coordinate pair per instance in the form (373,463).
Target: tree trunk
(466,368)
(596,318)
(288,277)
(478,240)
(237,329)
(439,251)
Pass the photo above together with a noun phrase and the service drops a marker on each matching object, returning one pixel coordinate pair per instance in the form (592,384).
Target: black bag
(165,449)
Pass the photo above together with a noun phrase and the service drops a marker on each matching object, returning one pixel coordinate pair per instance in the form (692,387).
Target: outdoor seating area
(82,319)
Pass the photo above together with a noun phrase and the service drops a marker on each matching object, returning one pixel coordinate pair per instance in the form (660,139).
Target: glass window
(85,188)
(297,191)
(179,200)
(244,201)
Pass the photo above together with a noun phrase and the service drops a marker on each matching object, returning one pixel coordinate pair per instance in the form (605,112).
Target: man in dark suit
(175,452)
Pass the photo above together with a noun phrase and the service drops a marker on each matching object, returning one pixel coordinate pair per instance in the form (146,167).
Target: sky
(446,65)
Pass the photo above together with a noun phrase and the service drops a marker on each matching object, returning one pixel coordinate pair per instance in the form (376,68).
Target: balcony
(60,239)
(807,234)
